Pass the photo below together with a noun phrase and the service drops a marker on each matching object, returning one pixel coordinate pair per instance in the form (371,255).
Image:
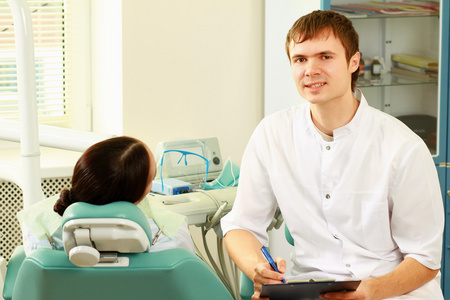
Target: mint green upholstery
(121,209)
(13,268)
(288,236)
(48,274)
(173,274)
(245,288)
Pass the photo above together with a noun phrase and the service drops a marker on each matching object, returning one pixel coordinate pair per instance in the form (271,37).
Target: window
(55,39)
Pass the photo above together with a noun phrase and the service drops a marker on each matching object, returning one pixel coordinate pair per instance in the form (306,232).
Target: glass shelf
(381,16)
(390,79)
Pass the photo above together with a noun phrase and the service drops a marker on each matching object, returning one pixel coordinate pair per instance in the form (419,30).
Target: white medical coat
(356,206)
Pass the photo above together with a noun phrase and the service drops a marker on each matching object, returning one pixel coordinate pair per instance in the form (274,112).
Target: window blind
(52,57)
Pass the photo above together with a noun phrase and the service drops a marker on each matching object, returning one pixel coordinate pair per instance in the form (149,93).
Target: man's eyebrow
(296,56)
(327,52)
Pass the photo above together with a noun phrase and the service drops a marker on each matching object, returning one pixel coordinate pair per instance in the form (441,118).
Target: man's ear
(354,61)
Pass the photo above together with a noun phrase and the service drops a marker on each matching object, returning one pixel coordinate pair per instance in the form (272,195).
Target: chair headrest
(116,227)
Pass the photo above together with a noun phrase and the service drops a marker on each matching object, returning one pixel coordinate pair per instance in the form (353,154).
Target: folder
(416,61)
(306,290)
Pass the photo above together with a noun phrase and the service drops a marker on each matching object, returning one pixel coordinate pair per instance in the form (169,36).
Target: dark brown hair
(309,26)
(112,170)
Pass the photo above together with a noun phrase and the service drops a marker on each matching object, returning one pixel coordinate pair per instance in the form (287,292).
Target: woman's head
(117,169)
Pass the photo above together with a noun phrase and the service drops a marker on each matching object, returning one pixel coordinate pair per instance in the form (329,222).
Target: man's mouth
(315,85)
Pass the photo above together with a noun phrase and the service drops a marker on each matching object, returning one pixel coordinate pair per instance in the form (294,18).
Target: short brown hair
(310,25)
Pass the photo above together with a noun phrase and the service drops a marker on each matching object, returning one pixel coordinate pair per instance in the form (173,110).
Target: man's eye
(326,57)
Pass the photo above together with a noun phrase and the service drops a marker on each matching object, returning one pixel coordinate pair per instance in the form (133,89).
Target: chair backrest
(89,230)
(172,274)
(49,274)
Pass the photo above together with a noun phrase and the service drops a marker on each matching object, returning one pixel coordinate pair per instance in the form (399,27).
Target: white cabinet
(424,102)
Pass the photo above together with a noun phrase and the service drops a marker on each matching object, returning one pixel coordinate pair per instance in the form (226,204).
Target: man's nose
(312,68)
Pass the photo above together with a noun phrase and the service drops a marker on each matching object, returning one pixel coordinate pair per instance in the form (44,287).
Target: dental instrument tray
(306,290)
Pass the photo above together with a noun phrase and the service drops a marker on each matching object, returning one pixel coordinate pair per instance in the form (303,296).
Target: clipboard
(306,290)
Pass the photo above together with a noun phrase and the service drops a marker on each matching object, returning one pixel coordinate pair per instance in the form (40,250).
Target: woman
(117,169)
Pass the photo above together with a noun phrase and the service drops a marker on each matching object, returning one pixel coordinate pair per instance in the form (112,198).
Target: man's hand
(361,293)
(264,274)
(245,250)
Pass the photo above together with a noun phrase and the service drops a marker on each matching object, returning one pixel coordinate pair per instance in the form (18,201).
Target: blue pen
(270,260)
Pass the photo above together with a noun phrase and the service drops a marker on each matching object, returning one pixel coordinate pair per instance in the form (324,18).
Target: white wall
(280,90)
(179,69)
(194,69)
(106,36)
(189,69)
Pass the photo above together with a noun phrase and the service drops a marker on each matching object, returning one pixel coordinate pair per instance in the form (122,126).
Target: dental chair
(106,256)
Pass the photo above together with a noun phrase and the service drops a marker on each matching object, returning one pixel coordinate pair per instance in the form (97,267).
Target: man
(358,190)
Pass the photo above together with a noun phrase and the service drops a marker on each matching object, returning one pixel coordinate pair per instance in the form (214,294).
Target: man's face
(320,68)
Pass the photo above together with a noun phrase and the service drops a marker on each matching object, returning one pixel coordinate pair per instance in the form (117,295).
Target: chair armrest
(14,265)
(246,288)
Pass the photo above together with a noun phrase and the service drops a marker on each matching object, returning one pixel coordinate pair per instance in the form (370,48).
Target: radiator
(11,202)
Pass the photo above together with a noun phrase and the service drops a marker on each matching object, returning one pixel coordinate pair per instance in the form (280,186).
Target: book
(416,61)
(348,12)
(427,5)
(412,74)
(367,7)
(432,73)
(392,9)
(408,7)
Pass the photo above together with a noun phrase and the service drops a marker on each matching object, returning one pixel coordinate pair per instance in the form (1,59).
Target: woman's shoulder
(40,217)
